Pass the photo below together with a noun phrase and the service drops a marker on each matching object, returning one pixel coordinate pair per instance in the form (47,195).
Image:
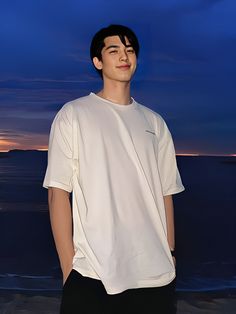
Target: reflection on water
(21,178)
(23,206)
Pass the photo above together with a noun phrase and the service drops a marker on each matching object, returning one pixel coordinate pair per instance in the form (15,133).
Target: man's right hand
(66,274)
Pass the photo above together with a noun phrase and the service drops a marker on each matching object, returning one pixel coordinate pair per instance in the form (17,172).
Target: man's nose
(124,55)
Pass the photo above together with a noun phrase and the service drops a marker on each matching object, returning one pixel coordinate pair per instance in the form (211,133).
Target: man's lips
(125,66)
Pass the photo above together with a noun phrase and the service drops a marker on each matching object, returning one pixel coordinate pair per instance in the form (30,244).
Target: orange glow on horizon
(9,148)
(205,155)
(24,142)
(43,148)
(188,154)
(6,145)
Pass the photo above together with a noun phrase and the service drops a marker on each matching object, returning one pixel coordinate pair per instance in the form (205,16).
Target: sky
(186,69)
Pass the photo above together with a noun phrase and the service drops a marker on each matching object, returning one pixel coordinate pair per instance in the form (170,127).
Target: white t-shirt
(119,161)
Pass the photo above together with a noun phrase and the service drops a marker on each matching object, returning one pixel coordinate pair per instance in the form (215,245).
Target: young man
(117,158)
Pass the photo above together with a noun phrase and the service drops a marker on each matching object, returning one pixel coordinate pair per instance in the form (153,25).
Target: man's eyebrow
(117,46)
(112,46)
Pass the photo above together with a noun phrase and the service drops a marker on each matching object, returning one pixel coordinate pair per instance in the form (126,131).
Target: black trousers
(83,295)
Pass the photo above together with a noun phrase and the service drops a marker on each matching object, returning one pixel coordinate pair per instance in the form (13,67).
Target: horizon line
(177,154)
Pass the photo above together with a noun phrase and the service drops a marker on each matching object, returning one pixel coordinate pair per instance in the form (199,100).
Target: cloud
(22,140)
(168,58)
(29,98)
(28,125)
(8,134)
(78,57)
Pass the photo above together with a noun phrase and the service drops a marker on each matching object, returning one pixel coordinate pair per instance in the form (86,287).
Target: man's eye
(130,50)
(113,51)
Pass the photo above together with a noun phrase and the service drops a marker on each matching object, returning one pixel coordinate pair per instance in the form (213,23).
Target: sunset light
(188,154)
(6,145)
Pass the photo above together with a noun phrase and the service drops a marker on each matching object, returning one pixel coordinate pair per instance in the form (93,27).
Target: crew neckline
(115,105)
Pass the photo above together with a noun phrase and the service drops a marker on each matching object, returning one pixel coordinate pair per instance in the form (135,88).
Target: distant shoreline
(19,151)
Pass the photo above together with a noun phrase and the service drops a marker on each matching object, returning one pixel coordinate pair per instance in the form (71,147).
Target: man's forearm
(169,208)
(61,223)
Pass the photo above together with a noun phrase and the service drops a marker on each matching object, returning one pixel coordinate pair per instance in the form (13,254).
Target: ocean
(205,218)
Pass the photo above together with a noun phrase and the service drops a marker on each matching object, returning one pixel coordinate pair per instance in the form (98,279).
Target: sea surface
(205,215)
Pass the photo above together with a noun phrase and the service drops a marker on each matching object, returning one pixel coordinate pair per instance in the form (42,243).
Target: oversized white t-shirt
(119,161)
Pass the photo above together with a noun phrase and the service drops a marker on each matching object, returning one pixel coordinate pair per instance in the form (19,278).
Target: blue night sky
(186,68)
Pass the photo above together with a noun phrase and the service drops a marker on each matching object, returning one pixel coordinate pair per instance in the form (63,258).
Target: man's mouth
(125,66)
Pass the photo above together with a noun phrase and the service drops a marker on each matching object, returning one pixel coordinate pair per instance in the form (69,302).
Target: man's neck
(118,93)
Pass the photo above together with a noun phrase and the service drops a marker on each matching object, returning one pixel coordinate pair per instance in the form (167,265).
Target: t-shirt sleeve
(59,171)
(168,170)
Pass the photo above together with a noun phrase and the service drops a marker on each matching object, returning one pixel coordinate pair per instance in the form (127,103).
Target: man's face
(118,61)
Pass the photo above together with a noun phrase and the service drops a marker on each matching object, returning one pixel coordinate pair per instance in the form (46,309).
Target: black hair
(98,44)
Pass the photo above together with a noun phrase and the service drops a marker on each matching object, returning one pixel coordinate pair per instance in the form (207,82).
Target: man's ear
(97,63)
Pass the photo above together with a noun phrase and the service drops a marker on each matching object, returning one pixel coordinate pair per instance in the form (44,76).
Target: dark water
(205,224)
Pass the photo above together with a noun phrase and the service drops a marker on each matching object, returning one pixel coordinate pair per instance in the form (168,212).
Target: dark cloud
(32,125)
(9,134)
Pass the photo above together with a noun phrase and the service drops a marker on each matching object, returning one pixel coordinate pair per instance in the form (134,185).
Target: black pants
(83,295)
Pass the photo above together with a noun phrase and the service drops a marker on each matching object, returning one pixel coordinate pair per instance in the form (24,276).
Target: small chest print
(150,132)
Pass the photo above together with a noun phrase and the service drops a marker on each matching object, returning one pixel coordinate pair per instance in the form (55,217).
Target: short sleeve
(59,171)
(168,170)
